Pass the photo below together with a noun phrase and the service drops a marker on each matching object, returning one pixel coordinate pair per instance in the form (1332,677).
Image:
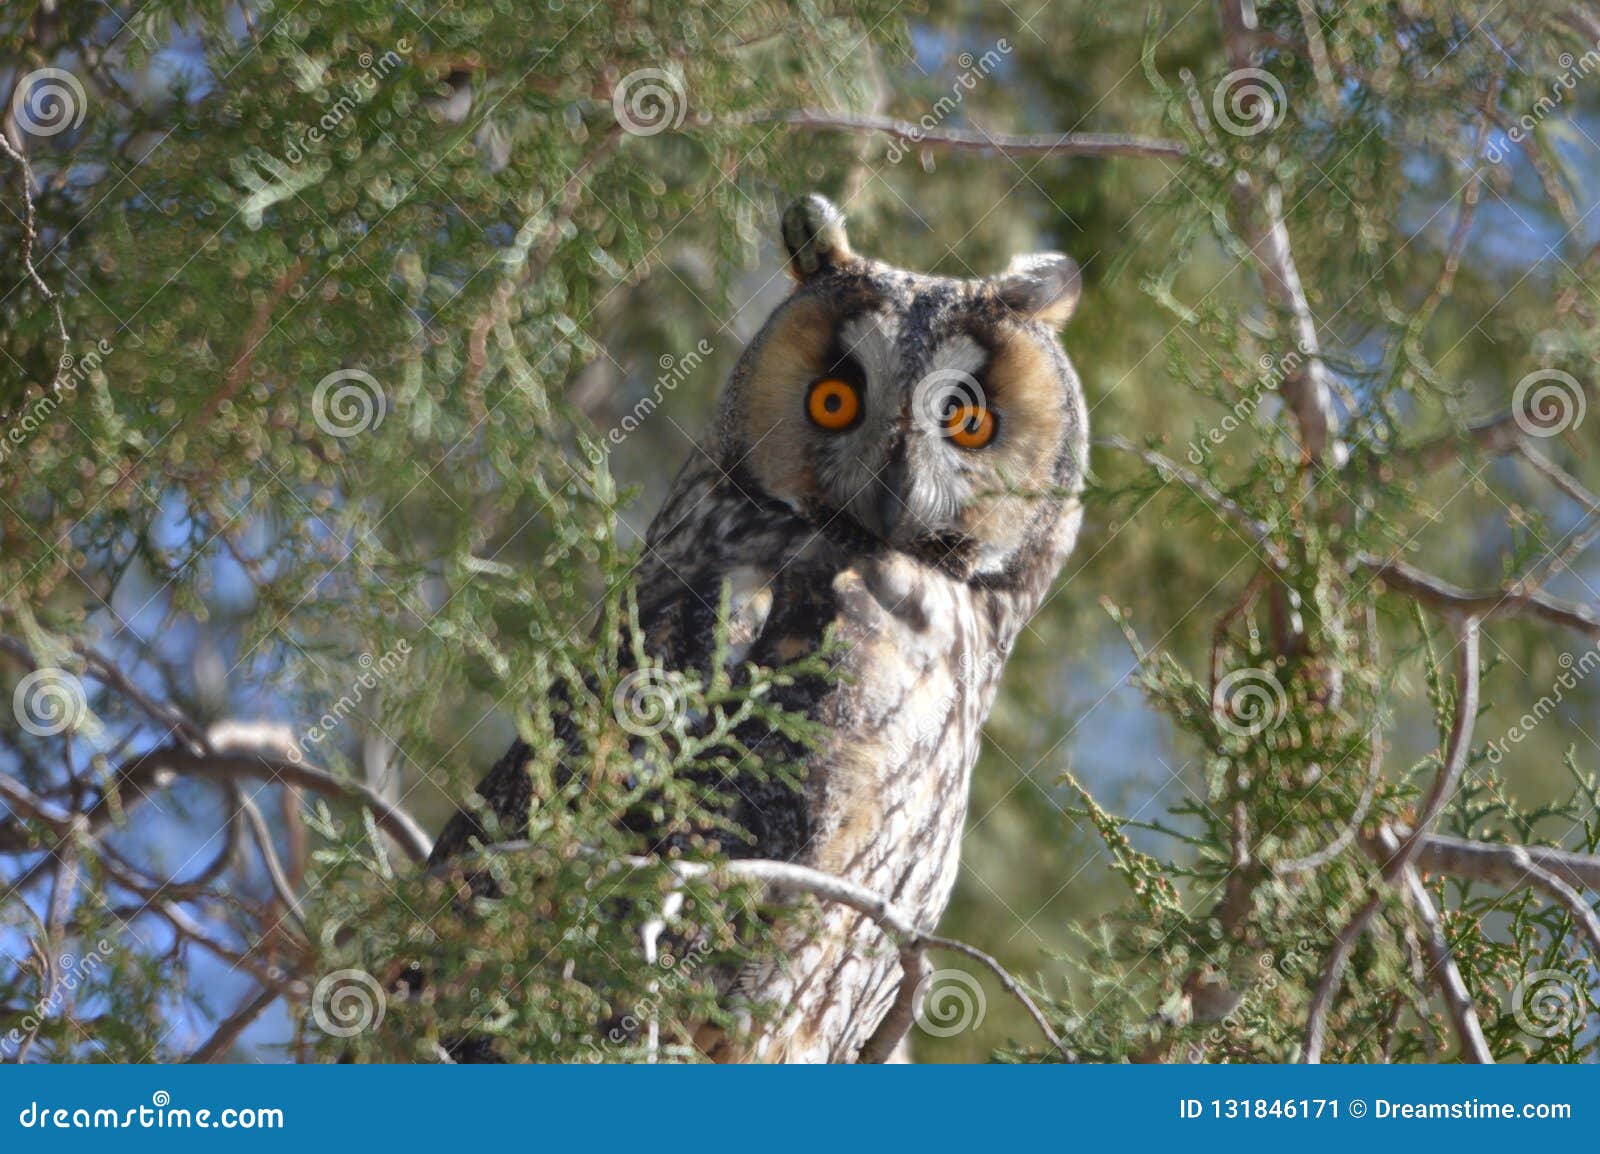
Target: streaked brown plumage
(923,531)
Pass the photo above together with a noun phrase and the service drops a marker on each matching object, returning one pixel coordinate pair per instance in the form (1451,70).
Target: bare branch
(1442,595)
(216,1047)
(968,140)
(892,920)
(156,766)
(902,1014)
(269,857)
(1170,470)
(1501,864)
(1344,941)
(1457,748)
(1306,390)
(1581,911)
(1446,973)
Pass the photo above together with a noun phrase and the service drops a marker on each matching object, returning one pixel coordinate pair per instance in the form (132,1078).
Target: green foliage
(369,313)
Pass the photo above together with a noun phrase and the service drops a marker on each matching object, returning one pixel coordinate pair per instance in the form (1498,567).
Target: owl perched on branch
(895,465)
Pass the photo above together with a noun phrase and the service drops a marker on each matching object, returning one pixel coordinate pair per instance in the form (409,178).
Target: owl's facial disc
(937,416)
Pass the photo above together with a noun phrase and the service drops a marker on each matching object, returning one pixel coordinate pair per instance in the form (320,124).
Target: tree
(334,339)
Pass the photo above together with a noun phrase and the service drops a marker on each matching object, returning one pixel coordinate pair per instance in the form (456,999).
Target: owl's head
(931,415)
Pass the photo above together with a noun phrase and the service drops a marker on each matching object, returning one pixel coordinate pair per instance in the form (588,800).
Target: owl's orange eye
(833,404)
(970,426)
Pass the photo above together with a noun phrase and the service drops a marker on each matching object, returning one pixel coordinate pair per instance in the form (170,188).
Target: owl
(895,466)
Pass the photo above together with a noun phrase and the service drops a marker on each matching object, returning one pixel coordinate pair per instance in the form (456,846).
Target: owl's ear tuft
(1042,286)
(813,232)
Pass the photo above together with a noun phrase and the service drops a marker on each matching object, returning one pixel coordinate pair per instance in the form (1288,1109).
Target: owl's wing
(700,541)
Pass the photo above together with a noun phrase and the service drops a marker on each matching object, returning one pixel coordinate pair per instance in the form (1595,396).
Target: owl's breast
(916,668)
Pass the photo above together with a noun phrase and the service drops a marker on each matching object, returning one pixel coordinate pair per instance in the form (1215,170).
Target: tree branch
(260,764)
(969,140)
(1502,864)
(1442,595)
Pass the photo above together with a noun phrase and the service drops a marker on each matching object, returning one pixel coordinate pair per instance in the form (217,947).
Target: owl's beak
(889,502)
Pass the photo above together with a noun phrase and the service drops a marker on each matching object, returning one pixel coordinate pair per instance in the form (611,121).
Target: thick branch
(1502,864)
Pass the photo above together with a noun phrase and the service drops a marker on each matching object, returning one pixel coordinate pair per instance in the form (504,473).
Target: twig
(269,857)
(1457,748)
(216,1047)
(1441,594)
(1344,942)
(1582,912)
(1446,973)
(1260,532)
(30,236)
